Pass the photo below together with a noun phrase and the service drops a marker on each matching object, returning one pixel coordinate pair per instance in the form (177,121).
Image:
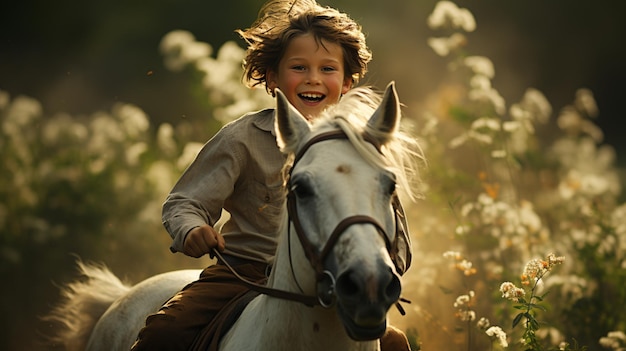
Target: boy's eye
(298,68)
(328,69)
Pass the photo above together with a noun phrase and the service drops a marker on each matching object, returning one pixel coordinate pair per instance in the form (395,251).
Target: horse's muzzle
(363,299)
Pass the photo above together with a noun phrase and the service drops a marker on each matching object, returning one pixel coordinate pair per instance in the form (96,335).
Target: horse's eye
(392,188)
(301,188)
(389,183)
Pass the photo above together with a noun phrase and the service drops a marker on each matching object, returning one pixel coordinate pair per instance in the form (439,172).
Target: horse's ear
(386,119)
(289,125)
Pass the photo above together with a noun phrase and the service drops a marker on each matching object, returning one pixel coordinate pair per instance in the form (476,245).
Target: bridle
(324,278)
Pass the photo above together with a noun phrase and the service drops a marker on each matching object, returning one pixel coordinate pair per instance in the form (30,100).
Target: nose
(313,77)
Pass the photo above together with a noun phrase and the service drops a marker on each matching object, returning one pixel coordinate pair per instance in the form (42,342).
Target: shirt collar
(265,120)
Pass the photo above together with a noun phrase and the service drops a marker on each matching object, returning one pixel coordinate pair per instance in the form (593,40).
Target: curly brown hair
(279,21)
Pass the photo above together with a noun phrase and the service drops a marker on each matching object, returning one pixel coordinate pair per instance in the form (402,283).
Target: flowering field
(519,241)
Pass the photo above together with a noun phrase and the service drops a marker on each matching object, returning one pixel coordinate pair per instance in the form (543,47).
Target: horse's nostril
(392,292)
(347,286)
(353,285)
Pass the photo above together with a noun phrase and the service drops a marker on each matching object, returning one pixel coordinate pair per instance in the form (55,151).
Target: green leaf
(533,306)
(461,115)
(517,319)
(534,324)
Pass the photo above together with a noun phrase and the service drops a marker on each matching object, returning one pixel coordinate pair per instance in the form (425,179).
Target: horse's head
(340,194)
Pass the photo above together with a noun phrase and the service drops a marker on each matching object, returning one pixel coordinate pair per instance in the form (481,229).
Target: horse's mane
(401,155)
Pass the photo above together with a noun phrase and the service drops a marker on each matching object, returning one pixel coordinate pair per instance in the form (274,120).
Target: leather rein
(315,257)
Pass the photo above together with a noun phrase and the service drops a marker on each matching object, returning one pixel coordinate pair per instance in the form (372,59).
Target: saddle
(209,337)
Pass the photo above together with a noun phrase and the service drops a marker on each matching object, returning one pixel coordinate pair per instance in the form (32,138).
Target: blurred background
(80,58)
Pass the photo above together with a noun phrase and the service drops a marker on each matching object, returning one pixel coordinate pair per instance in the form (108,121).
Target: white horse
(333,278)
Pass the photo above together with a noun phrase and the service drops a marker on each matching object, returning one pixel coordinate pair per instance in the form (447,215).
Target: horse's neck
(294,326)
(270,323)
(312,325)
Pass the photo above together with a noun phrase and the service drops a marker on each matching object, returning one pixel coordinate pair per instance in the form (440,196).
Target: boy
(313,54)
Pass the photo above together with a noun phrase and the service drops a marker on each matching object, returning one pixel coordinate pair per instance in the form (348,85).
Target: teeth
(312,96)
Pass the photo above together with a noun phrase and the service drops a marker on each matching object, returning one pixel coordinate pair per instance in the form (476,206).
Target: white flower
(498,153)
(491,96)
(466,209)
(452,255)
(480,82)
(615,340)
(134,152)
(458,141)
(165,139)
(497,332)
(537,103)
(511,292)
(510,126)
(160,175)
(480,65)
(133,120)
(180,48)
(467,315)
(61,128)
(586,103)
(573,123)
(22,112)
(480,137)
(483,323)
(461,229)
(619,335)
(444,45)
(448,14)
(461,300)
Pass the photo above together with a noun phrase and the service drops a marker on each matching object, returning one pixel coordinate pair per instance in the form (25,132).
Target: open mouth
(311,97)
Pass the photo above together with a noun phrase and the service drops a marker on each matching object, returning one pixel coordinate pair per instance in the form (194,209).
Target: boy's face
(312,76)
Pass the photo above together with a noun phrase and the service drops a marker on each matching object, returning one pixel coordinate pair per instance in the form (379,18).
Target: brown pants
(180,320)
(177,324)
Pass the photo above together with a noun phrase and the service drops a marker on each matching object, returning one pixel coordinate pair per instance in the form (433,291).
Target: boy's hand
(202,240)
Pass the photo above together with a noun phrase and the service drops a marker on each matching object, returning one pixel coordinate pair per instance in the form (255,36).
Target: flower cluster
(109,163)
(614,340)
(221,75)
(535,269)
(511,227)
(515,194)
(460,263)
(447,15)
(499,334)
(464,304)
(511,292)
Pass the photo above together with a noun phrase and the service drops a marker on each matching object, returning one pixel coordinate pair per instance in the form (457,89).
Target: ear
(347,85)
(386,119)
(290,125)
(270,82)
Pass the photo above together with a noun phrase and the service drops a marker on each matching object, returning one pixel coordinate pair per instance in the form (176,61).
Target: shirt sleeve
(199,195)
